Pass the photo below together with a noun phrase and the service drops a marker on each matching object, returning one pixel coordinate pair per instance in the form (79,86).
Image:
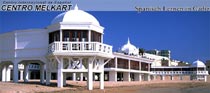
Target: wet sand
(158,86)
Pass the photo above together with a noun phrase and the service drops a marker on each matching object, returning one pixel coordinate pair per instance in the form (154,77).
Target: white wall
(23,44)
(157,59)
(31,43)
(7,45)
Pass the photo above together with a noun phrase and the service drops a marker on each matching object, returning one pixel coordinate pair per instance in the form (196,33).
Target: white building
(73,45)
(197,71)
(127,65)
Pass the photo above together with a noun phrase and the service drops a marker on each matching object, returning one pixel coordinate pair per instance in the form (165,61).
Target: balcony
(79,48)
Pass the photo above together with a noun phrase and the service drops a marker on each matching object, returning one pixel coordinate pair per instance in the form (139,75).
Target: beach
(158,86)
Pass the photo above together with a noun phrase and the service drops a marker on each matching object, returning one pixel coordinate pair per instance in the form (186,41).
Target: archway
(5,71)
(33,69)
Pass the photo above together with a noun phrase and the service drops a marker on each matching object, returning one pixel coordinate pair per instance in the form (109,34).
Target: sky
(186,34)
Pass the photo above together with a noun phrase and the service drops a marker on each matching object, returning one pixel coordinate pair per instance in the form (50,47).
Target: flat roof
(171,67)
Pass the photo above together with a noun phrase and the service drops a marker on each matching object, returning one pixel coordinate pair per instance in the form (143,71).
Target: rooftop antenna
(128,41)
(76,7)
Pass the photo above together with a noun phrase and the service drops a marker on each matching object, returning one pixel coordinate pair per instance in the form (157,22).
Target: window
(95,36)
(66,36)
(54,36)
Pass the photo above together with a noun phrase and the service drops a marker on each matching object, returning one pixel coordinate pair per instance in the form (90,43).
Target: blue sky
(186,34)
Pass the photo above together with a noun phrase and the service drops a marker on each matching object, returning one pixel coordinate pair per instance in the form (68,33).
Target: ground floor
(156,86)
(109,76)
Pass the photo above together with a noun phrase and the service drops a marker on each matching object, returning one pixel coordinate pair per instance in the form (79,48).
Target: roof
(129,48)
(75,16)
(198,63)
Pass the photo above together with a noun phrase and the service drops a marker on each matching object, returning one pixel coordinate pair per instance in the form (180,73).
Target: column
(64,79)
(102,38)
(60,74)
(42,73)
(48,77)
(102,75)
(126,76)
(21,75)
(139,65)
(74,76)
(172,77)
(8,73)
(15,72)
(129,64)
(89,35)
(81,76)
(102,80)
(113,76)
(3,73)
(162,77)
(61,37)
(149,67)
(115,60)
(140,77)
(154,77)
(48,73)
(205,78)
(90,75)
(26,72)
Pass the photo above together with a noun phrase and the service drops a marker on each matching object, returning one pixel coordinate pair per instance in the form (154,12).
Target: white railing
(34,67)
(79,47)
(31,66)
(179,72)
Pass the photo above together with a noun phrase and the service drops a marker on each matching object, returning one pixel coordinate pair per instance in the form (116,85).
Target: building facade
(72,47)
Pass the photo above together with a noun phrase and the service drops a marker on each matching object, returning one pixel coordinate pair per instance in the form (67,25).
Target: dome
(129,49)
(198,63)
(75,16)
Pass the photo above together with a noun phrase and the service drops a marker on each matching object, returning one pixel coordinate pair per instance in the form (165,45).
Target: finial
(128,41)
(76,7)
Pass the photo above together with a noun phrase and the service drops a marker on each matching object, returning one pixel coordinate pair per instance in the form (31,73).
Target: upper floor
(74,32)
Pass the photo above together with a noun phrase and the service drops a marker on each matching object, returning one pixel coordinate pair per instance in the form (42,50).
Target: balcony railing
(180,72)
(31,66)
(34,67)
(79,47)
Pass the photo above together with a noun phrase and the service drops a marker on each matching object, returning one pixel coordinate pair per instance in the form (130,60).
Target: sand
(167,86)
